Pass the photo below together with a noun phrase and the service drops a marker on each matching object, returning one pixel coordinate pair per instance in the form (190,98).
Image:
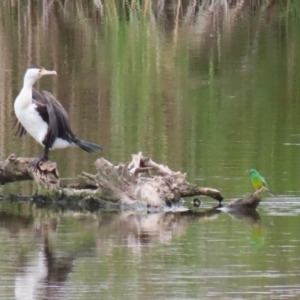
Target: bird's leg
(36,162)
(46,153)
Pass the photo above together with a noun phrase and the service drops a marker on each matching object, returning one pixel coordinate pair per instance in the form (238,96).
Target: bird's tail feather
(271,193)
(87,146)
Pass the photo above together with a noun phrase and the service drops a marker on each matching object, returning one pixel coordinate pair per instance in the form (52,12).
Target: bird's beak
(46,72)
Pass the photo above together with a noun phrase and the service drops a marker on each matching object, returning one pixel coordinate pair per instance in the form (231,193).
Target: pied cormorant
(44,118)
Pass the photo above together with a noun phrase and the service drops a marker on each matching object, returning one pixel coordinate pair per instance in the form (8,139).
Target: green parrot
(258,181)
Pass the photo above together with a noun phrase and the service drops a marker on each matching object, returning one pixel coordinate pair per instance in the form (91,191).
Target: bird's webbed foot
(44,171)
(35,165)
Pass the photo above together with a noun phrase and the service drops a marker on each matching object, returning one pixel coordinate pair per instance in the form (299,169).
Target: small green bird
(258,181)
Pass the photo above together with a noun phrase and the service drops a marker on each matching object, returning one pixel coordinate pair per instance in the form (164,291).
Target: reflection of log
(136,229)
(249,216)
(206,215)
(129,183)
(15,223)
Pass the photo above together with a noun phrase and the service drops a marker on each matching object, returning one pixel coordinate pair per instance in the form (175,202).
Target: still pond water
(208,89)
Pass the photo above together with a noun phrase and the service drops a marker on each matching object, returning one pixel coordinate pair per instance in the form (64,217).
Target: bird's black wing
(20,129)
(45,111)
(55,115)
(41,105)
(61,117)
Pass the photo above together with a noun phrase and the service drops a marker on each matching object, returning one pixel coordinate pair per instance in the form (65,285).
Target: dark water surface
(206,88)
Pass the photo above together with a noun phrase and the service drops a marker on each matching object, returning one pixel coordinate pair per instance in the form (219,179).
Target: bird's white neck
(26,91)
(24,98)
(28,82)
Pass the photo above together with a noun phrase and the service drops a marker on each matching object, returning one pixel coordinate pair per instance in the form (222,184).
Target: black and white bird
(44,118)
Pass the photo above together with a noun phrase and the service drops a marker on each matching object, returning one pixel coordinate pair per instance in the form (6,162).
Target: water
(208,90)
(184,255)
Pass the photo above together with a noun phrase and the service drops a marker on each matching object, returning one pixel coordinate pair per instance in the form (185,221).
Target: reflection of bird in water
(258,181)
(44,275)
(257,237)
(197,202)
(44,118)
(251,218)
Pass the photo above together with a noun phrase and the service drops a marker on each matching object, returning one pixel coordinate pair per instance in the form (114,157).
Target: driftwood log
(248,202)
(138,182)
(141,181)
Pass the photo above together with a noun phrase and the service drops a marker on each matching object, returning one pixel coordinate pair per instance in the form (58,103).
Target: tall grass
(133,62)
